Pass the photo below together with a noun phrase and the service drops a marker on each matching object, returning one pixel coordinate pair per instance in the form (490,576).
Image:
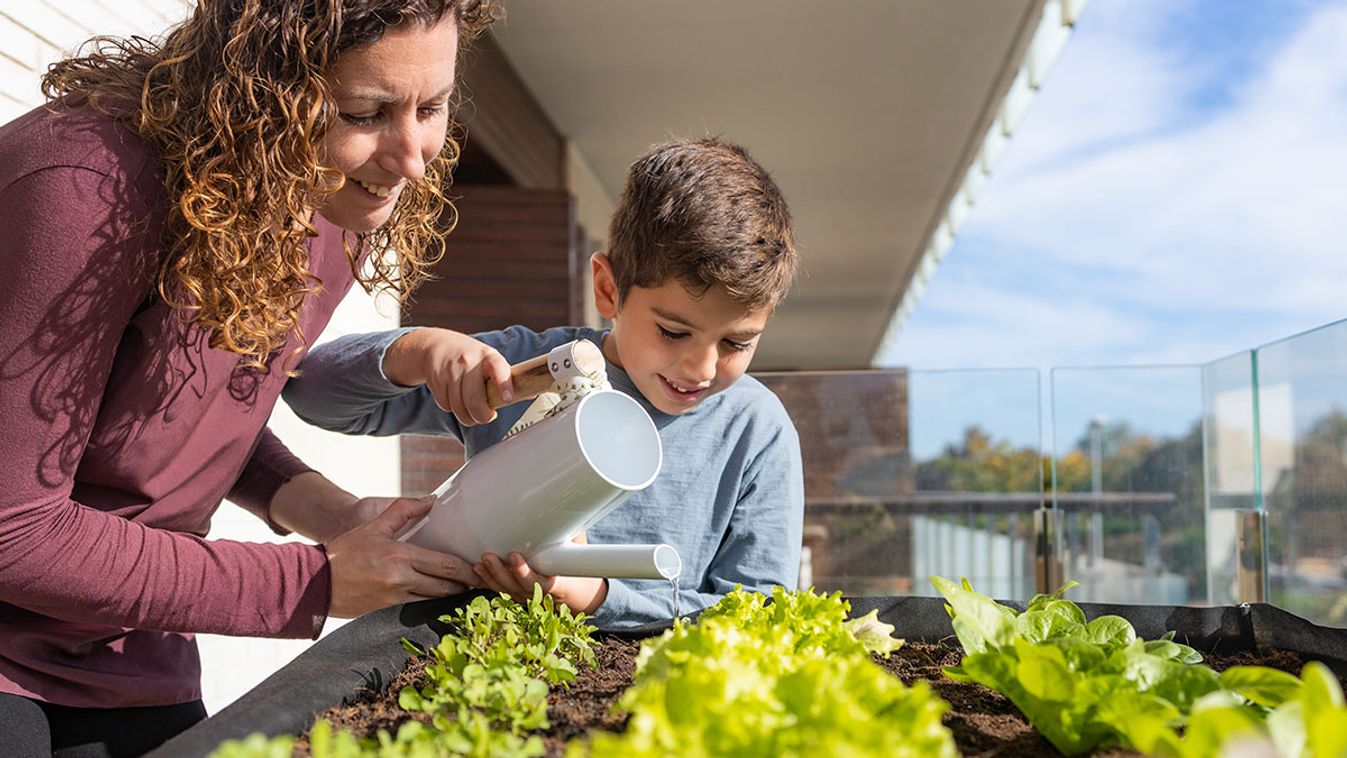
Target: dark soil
(984,723)
(371,710)
(587,703)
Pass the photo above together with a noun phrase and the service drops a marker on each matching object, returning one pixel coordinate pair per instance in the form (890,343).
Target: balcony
(1203,484)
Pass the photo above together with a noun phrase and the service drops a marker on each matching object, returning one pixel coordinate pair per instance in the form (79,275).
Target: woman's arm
(311,505)
(80,257)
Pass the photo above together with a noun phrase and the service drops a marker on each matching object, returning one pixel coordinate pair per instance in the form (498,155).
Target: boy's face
(677,347)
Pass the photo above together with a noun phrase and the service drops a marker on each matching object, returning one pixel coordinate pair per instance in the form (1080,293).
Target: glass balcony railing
(1128,498)
(1229,442)
(976,438)
(913,473)
(858,477)
(1302,472)
(1208,484)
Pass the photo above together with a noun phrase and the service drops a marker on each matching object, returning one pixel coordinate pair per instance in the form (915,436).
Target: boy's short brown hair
(705,214)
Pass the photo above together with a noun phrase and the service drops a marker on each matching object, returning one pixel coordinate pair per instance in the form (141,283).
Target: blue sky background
(1177,193)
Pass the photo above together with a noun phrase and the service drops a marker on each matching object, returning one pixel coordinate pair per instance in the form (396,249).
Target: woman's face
(393,100)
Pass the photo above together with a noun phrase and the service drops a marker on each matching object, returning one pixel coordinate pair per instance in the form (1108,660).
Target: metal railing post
(1251,555)
(1047,550)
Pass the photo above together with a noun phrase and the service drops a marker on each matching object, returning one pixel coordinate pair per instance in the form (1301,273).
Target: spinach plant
(1301,717)
(1087,685)
(1082,684)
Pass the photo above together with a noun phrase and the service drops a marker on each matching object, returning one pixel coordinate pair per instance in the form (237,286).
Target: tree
(979,464)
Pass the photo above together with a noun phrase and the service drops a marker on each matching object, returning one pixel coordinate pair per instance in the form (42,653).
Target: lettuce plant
(1083,685)
(789,678)
(256,745)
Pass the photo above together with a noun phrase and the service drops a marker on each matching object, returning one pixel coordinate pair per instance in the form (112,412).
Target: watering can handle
(537,375)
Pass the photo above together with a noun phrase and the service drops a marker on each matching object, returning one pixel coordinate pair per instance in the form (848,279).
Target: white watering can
(534,491)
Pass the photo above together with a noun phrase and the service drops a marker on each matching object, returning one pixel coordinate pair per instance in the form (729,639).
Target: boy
(700,251)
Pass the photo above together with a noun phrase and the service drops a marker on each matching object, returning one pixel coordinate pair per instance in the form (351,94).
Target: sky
(1177,193)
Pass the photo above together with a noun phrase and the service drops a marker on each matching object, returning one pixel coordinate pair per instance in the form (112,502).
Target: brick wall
(853,428)
(512,260)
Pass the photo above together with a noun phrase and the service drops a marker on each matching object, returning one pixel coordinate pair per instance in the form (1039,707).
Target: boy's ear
(605,286)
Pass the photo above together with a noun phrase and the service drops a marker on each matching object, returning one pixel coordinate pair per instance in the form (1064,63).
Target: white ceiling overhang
(869,113)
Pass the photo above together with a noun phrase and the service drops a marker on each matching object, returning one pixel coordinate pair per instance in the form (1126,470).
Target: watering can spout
(631,561)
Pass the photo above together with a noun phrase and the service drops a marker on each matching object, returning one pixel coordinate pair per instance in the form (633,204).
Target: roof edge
(1052,23)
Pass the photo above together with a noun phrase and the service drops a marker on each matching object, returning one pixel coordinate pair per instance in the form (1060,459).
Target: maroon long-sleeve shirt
(120,432)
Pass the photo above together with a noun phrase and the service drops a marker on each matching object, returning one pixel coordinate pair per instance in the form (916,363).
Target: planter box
(367,654)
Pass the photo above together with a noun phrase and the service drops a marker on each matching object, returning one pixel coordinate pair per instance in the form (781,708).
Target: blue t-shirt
(729,497)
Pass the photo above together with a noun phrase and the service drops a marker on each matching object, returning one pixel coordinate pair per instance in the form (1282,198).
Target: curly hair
(235,101)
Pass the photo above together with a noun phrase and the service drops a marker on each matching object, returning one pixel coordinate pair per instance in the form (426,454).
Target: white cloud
(1143,93)
(1173,233)
(991,326)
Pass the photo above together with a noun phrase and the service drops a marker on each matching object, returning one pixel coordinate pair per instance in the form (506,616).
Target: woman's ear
(605,286)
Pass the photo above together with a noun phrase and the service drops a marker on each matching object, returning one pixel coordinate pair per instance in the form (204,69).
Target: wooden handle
(532,377)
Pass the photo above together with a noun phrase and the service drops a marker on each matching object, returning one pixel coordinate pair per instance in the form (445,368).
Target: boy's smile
(679,347)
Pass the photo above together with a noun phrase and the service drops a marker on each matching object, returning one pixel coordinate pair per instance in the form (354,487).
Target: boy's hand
(454,367)
(582,594)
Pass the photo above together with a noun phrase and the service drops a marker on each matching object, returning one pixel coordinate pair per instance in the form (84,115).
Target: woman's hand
(372,570)
(454,367)
(582,594)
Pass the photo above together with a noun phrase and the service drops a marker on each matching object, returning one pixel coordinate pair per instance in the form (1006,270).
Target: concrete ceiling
(867,112)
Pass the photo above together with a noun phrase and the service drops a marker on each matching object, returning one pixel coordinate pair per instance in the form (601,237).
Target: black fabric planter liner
(367,654)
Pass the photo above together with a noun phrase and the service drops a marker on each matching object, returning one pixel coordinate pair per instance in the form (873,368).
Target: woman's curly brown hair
(235,101)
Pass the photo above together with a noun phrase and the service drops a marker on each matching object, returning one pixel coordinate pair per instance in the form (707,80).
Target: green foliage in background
(979,463)
(1132,462)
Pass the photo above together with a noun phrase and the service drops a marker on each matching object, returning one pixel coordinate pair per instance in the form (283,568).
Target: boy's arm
(455,368)
(342,388)
(416,380)
(760,550)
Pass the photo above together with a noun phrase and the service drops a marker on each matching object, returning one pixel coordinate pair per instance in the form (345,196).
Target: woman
(179,219)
